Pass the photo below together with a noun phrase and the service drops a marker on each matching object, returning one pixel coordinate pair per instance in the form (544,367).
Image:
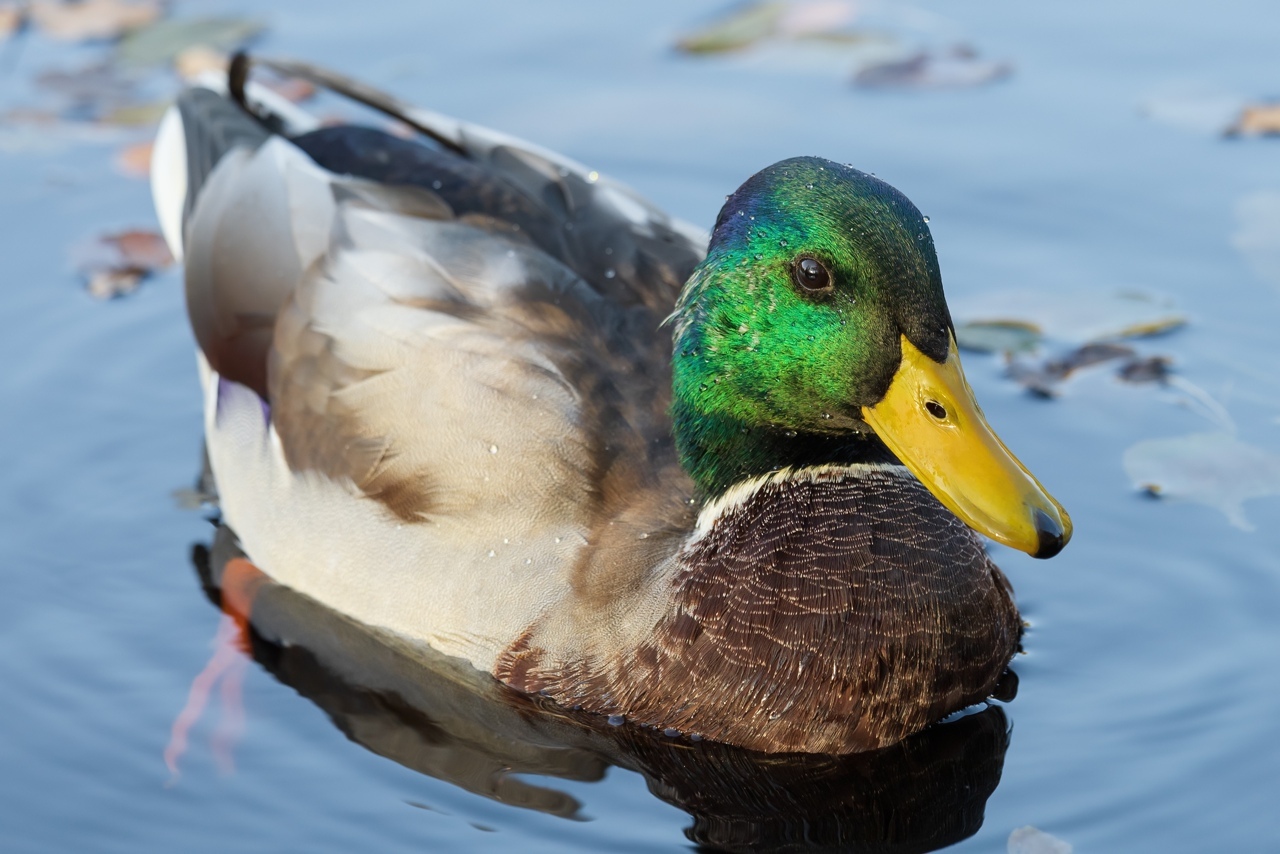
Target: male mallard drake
(441,399)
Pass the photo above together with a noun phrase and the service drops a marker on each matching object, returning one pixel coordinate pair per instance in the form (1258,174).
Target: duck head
(816,331)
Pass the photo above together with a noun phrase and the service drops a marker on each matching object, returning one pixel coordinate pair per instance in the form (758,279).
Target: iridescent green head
(816,332)
(792,323)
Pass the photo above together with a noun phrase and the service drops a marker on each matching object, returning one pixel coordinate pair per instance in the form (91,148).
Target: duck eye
(811,275)
(937,410)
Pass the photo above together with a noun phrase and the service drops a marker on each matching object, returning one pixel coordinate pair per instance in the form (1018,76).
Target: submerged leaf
(1030,840)
(1257,235)
(93,19)
(998,336)
(1256,120)
(956,68)
(1216,469)
(167,39)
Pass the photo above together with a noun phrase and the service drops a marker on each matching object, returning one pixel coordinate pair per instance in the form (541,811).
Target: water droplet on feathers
(610,273)
(616,720)
(493,449)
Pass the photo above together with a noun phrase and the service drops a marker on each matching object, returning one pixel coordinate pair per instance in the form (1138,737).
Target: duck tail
(217,114)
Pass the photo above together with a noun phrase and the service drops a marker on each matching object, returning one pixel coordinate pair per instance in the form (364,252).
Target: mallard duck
(476,395)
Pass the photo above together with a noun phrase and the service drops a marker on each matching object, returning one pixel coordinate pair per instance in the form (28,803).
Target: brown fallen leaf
(1256,120)
(200,59)
(134,161)
(93,19)
(956,68)
(1042,380)
(115,264)
(1152,369)
(13,17)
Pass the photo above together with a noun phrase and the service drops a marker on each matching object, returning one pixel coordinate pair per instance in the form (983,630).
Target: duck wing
(459,355)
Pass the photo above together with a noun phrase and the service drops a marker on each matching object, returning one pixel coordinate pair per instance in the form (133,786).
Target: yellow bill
(931,422)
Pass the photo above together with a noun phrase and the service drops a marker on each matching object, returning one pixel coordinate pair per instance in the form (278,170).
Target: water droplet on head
(808,186)
(671,732)
(782,243)
(616,720)
(493,449)
(926,219)
(790,434)
(593,176)
(693,736)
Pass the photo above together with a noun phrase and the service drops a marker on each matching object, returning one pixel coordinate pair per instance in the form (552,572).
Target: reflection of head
(432,715)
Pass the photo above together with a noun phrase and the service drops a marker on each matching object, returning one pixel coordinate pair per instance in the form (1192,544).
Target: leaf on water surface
(998,336)
(134,161)
(165,41)
(13,17)
(1256,120)
(198,60)
(1077,317)
(957,67)
(115,264)
(752,23)
(1041,380)
(1030,840)
(739,29)
(1216,469)
(136,115)
(93,19)
(1257,234)
(1152,369)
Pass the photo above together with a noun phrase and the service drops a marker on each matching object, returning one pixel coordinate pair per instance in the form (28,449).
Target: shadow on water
(440,717)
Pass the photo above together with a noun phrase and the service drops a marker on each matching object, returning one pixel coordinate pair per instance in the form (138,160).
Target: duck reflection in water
(440,717)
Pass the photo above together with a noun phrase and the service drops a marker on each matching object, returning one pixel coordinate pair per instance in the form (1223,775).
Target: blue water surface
(1148,714)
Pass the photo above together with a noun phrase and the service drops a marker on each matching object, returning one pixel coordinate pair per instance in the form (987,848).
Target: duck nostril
(937,410)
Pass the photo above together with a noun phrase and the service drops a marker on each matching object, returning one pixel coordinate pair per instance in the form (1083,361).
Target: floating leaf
(1079,317)
(1216,469)
(1256,120)
(1041,381)
(1030,840)
(115,264)
(956,68)
(198,60)
(167,39)
(93,19)
(1257,234)
(1152,369)
(998,336)
(739,29)
(136,115)
(13,17)
(134,161)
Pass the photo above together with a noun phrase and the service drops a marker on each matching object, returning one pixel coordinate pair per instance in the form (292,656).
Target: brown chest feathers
(833,611)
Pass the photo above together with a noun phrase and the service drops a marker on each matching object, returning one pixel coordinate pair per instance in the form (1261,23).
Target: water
(1148,707)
